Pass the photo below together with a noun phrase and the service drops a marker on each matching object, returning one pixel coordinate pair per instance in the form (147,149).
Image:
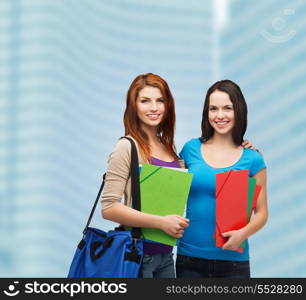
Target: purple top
(157,248)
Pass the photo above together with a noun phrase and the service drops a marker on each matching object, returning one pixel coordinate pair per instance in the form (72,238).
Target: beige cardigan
(118,180)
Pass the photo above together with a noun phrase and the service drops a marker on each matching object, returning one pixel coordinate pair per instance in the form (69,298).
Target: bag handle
(135,186)
(95,245)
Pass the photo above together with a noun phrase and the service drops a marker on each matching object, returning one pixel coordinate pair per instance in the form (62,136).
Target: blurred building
(65,70)
(263,50)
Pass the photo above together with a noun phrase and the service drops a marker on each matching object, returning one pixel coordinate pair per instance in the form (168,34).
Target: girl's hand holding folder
(235,238)
(174,225)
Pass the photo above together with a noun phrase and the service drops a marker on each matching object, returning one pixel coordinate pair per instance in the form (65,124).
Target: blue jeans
(193,267)
(157,266)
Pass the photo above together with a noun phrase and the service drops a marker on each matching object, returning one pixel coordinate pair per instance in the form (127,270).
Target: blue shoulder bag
(114,254)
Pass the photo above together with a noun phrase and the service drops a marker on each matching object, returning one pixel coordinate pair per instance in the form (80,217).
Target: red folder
(231,203)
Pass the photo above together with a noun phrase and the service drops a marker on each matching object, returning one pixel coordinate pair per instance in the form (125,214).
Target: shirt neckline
(220,168)
(169,162)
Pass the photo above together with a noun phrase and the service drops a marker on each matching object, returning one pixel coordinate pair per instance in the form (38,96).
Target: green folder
(163,192)
(251,190)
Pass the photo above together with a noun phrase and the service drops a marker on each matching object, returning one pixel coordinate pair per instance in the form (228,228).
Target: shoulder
(256,160)
(121,151)
(123,145)
(192,143)
(253,154)
(189,149)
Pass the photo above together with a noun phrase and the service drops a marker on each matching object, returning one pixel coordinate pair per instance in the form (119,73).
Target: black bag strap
(134,176)
(135,187)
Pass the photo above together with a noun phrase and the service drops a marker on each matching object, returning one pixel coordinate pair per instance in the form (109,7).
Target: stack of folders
(164,191)
(236,197)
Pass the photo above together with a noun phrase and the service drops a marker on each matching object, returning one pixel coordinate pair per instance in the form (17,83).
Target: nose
(153,106)
(220,114)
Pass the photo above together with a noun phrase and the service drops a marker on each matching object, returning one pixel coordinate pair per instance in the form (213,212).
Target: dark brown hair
(240,110)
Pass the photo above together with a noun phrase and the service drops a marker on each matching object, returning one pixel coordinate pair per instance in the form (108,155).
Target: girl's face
(221,112)
(150,106)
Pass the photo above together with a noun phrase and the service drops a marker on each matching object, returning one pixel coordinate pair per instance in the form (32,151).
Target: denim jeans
(192,267)
(157,266)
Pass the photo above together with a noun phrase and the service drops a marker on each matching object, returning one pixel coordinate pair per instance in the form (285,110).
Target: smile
(221,123)
(153,116)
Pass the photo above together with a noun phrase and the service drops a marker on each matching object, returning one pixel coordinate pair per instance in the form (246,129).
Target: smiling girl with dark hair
(224,122)
(239,108)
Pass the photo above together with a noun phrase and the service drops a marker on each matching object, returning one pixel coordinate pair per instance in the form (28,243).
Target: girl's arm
(116,180)
(172,224)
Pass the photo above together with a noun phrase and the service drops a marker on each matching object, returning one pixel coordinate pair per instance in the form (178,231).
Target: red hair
(165,129)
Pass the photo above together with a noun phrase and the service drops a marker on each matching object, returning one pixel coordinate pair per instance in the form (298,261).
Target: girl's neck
(222,141)
(151,132)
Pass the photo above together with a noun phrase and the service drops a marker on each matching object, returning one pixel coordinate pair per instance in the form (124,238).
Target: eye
(144,100)
(212,108)
(161,100)
(228,108)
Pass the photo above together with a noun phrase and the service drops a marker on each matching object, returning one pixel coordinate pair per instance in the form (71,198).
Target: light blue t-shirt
(198,239)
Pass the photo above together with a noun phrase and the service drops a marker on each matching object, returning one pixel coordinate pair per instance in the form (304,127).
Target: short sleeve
(188,150)
(258,163)
(183,154)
